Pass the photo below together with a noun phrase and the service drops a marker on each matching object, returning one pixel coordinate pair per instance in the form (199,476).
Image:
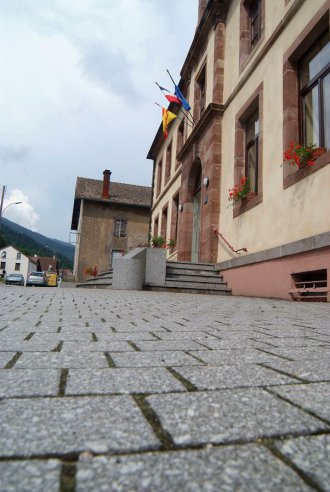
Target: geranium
(240,191)
(301,155)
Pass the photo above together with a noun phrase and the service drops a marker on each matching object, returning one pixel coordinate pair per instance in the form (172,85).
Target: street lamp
(2,210)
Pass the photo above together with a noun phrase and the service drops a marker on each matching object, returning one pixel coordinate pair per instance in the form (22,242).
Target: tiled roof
(126,194)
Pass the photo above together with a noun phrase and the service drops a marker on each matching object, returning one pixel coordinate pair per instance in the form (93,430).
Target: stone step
(195,278)
(187,265)
(196,285)
(186,271)
(86,285)
(182,290)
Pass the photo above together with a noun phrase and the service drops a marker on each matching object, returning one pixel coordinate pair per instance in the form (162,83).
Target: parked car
(37,279)
(15,279)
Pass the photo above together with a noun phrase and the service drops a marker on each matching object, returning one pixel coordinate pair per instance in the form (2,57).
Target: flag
(168,116)
(170,97)
(173,99)
(180,96)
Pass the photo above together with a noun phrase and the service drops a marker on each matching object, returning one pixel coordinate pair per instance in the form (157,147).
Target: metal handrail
(237,251)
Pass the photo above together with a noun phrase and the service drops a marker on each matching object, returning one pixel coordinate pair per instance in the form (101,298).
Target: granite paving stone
(123,380)
(227,416)
(63,425)
(292,341)
(313,370)
(309,454)
(115,346)
(29,382)
(248,468)
(301,353)
(237,343)
(61,360)
(314,397)
(28,346)
(233,356)
(28,476)
(168,345)
(208,378)
(153,359)
(154,391)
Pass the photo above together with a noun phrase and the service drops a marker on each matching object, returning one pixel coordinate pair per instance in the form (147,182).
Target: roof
(120,194)
(46,262)
(128,194)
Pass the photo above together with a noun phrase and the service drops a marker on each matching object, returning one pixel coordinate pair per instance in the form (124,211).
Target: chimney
(106,184)
(201,9)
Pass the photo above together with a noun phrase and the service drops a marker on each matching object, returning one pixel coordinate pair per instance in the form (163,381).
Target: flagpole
(181,119)
(180,105)
(175,85)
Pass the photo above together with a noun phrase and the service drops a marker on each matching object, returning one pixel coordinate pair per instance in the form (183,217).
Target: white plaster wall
(284,215)
(11,260)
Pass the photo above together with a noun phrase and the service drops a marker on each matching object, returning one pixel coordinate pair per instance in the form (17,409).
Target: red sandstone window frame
(291,95)
(247,45)
(254,103)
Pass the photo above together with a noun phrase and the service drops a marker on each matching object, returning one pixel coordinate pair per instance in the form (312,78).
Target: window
(3,265)
(164,222)
(251,150)
(168,162)
(179,143)
(306,94)
(252,14)
(17,267)
(159,176)
(248,149)
(120,228)
(156,226)
(314,81)
(4,254)
(18,256)
(175,217)
(200,94)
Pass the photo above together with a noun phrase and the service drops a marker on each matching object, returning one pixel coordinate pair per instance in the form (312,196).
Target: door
(196,226)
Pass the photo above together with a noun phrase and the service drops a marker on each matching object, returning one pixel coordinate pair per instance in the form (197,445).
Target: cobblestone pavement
(134,391)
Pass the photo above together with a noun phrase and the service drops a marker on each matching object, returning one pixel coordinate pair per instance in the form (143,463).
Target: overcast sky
(77,92)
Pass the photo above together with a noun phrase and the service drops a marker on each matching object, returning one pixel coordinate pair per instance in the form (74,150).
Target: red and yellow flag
(168,116)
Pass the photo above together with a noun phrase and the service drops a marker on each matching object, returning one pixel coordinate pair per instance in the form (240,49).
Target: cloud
(13,155)
(23,213)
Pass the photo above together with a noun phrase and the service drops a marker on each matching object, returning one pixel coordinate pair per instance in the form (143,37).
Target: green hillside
(31,243)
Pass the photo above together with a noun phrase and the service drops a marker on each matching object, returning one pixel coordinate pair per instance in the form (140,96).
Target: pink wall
(272,278)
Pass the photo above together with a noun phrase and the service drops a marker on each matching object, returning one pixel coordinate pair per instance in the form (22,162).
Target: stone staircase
(102,281)
(183,276)
(194,278)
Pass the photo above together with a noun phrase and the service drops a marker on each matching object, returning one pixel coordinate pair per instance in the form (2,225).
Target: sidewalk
(135,391)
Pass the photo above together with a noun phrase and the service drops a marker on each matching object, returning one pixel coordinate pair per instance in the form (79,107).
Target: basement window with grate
(310,286)
(120,228)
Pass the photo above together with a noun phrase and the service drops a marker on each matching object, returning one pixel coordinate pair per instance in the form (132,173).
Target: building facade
(109,218)
(257,78)
(13,261)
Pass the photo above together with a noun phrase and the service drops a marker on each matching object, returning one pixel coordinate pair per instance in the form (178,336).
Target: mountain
(33,243)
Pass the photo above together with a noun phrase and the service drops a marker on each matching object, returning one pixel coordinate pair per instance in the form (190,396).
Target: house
(257,78)
(109,218)
(47,264)
(14,261)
